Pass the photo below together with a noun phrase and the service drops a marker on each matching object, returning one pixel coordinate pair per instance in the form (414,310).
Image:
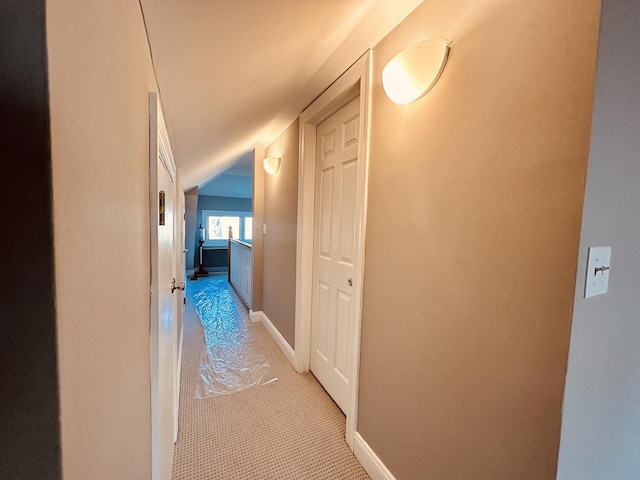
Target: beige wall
(100,74)
(257,243)
(191,207)
(600,423)
(280,215)
(475,199)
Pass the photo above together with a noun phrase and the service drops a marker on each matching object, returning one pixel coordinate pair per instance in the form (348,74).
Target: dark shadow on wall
(29,391)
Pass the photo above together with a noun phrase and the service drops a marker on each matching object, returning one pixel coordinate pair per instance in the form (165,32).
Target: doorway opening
(221,227)
(354,83)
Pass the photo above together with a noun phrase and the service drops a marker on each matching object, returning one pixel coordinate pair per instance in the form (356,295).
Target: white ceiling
(233,74)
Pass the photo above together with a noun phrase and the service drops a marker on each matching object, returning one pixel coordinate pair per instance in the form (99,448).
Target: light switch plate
(597,278)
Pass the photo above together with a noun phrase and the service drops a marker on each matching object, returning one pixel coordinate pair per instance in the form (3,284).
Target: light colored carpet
(289,429)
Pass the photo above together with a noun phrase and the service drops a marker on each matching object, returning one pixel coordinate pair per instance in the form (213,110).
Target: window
(218,227)
(248,228)
(217,223)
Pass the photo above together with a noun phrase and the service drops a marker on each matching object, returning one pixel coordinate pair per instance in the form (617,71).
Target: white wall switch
(264,228)
(598,265)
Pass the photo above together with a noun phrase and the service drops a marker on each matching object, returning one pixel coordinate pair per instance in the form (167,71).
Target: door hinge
(184,301)
(161,208)
(184,216)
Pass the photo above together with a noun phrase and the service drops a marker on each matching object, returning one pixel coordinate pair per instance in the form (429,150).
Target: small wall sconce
(271,165)
(414,71)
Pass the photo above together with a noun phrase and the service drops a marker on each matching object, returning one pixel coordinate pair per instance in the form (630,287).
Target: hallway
(484,198)
(287,429)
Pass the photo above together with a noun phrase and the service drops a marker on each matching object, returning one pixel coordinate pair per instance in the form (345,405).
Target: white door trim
(159,148)
(356,80)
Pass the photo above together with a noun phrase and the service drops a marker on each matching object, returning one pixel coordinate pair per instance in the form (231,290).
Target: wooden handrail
(240,242)
(239,276)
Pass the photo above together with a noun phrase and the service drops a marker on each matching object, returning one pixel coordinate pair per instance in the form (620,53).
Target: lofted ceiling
(236,181)
(233,74)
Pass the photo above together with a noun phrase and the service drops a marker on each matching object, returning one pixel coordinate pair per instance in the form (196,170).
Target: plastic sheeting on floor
(229,362)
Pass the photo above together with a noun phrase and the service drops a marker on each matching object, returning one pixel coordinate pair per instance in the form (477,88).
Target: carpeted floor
(288,429)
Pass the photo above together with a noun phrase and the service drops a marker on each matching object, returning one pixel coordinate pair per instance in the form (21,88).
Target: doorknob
(174,286)
(350,282)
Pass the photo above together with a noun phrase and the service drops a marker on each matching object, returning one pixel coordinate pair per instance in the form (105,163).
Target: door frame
(159,141)
(181,272)
(355,81)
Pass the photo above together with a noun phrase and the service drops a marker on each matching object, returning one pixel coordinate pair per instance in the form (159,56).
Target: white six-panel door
(162,177)
(334,250)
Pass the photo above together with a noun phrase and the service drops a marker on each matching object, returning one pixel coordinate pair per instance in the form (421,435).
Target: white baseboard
(255,317)
(278,338)
(369,460)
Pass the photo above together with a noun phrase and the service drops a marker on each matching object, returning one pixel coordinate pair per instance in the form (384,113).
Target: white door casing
(356,81)
(181,272)
(162,175)
(333,251)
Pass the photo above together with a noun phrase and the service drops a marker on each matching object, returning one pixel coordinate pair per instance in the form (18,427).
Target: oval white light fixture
(271,165)
(414,71)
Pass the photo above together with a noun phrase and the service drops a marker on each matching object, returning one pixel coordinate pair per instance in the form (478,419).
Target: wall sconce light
(414,71)
(271,165)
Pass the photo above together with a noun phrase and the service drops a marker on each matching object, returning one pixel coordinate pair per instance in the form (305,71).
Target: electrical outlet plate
(597,278)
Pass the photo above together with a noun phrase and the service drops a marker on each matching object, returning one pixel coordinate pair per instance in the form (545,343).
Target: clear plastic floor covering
(229,362)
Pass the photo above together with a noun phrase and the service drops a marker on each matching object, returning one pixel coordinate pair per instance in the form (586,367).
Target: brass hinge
(161,219)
